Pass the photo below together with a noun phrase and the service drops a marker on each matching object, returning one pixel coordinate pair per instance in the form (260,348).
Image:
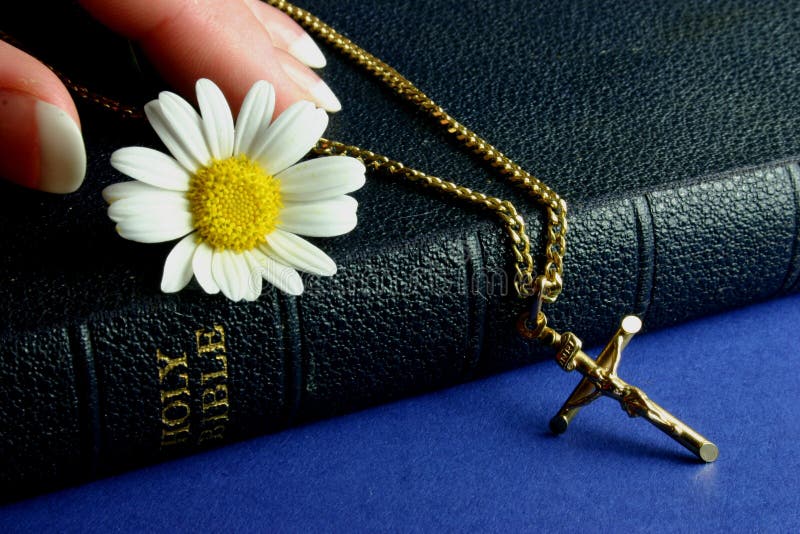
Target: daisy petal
(178,267)
(296,252)
(325,218)
(168,136)
(255,282)
(186,124)
(151,167)
(220,277)
(115,192)
(148,230)
(230,273)
(217,119)
(290,137)
(201,265)
(281,276)
(321,178)
(254,116)
(151,235)
(148,206)
(236,268)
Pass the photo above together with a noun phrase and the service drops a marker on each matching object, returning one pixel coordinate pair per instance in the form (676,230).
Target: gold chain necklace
(600,374)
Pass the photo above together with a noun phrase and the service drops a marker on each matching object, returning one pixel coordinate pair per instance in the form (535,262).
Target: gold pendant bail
(539,291)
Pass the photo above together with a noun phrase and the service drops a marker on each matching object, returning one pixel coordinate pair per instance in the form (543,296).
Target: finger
(287,34)
(41,146)
(191,39)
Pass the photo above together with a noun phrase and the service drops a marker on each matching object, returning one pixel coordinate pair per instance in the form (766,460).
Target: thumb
(41,146)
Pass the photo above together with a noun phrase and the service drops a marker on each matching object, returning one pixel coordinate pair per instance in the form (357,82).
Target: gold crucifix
(600,378)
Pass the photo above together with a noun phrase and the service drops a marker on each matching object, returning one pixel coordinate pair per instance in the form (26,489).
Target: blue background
(479,456)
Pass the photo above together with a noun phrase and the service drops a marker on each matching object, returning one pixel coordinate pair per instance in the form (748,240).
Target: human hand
(234,43)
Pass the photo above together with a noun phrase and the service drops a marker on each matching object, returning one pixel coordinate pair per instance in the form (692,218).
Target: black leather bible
(672,129)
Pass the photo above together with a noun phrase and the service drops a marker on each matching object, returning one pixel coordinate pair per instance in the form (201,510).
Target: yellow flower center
(234,203)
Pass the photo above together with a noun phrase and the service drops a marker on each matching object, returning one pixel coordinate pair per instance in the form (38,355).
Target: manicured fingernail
(323,95)
(41,147)
(306,78)
(62,154)
(307,51)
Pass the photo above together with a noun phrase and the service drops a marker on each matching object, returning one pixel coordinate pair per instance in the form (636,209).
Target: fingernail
(323,95)
(307,51)
(62,153)
(306,78)
(41,147)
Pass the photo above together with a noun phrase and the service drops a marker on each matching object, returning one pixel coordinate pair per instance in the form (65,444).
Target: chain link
(555,207)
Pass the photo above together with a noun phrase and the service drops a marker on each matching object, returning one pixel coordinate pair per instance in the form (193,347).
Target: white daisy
(235,195)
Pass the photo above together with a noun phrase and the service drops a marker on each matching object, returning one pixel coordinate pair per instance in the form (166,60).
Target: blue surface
(479,457)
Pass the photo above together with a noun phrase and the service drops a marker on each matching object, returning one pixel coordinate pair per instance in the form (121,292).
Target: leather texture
(634,111)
